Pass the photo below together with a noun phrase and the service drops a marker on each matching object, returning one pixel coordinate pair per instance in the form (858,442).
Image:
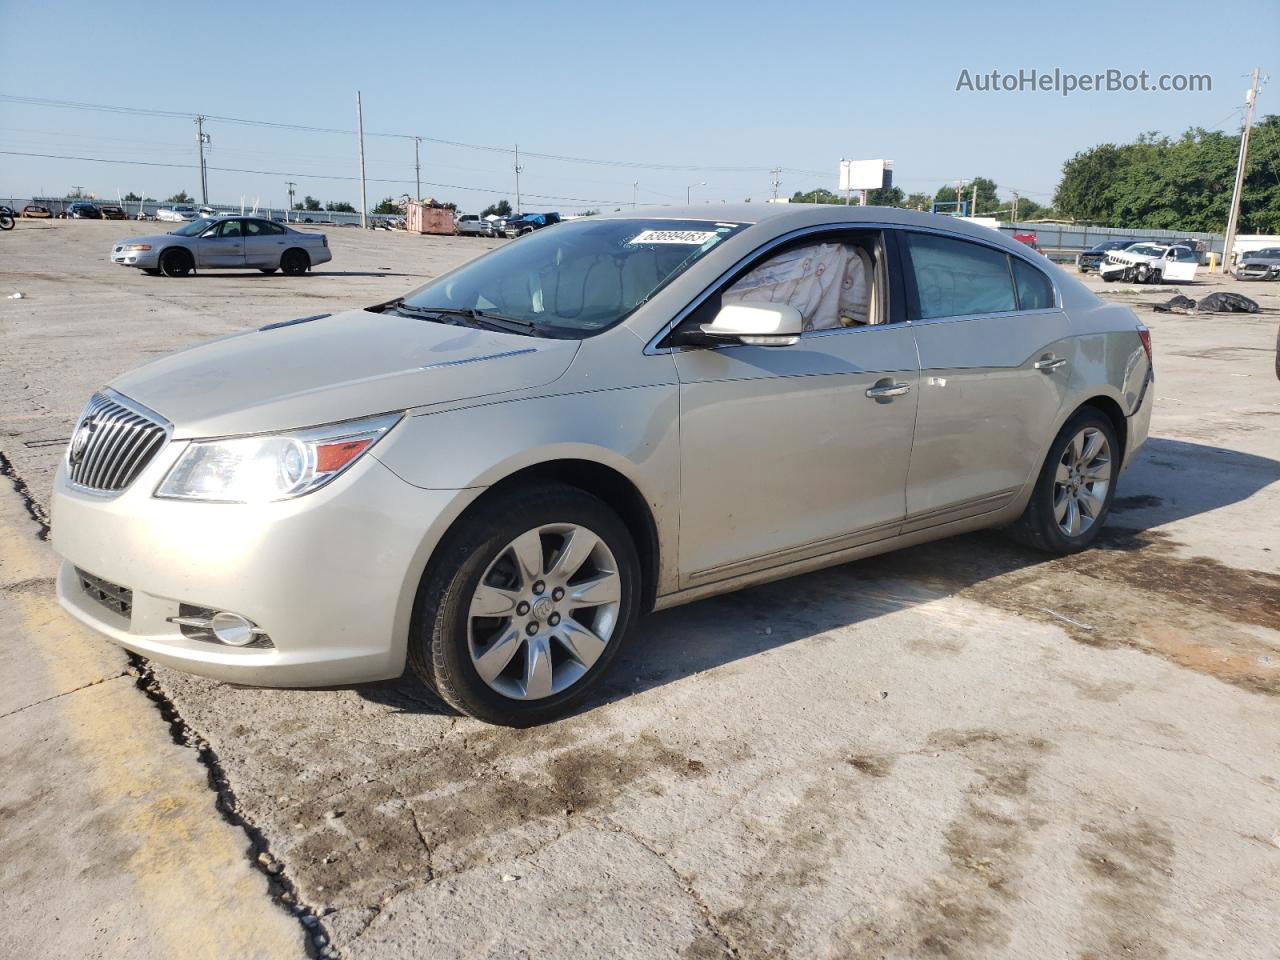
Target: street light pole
(417,168)
(635,187)
(364,201)
(688,191)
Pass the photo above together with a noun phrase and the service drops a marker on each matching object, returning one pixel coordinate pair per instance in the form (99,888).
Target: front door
(1180,263)
(995,357)
(224,249)
(799,451)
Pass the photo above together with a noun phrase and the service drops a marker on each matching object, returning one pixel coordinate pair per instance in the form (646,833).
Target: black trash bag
(1224,302)
(1178,304)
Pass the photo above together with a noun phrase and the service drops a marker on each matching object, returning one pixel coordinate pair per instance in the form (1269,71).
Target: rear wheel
(176,262)
(526,605)
(295,262)
(1073,493)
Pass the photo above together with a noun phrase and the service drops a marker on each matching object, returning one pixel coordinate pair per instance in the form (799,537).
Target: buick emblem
(79,442)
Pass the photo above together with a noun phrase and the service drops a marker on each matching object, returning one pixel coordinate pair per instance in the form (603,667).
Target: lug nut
(554,619)
(557,593)
(522,608)
(539,587)
(531,629)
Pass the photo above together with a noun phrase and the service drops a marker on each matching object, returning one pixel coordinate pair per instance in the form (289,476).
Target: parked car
(83,211)
(1092,258)
(112,211)
(1259,264)
(34,211)
(1150,263)
(527,223)
(177,213)
(1029,239)
(489,478)
(231,243)
(471,225)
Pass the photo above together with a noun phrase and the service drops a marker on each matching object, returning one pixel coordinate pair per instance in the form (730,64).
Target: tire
(1108,279)
(295,262)
(267,270)
(176,262)
(1043,526)
(478,561)
(6,222)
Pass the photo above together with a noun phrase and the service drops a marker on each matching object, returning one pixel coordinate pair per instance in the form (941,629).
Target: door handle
(1049,364)
(883,390)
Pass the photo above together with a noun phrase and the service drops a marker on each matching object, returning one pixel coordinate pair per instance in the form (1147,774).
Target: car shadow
(1169,481)
(276,277)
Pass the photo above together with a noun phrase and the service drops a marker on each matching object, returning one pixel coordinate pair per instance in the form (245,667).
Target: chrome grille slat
(121,439)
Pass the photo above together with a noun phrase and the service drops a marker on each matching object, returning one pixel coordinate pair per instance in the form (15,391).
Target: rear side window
(1035,292)
(956,278)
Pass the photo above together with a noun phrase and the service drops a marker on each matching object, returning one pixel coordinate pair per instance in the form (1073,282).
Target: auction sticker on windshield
(692,237)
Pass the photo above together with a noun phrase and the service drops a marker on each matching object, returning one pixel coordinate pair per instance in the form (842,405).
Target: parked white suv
(1150,263)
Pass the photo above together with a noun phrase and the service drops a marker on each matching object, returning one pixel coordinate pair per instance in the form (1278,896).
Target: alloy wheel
(544,611)
(1081,482)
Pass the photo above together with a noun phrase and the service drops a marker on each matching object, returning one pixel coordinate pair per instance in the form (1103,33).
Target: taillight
(1145,336)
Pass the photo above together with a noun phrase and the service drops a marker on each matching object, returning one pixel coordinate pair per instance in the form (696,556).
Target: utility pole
(518,169)
(1233,219)
(201,139)
(1015,206)
(635,188)
(959,194)
(973,204)
(777,180)
(417,167)
(364,203)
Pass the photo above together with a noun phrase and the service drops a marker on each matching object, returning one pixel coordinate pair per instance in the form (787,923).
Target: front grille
(115,598)
(112,443)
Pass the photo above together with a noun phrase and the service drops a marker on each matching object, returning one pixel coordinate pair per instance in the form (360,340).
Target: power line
(290,173)
(560,158)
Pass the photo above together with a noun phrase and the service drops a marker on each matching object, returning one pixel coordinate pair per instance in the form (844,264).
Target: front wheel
(1073,493)
(6,221)
(176,262)
(526,605)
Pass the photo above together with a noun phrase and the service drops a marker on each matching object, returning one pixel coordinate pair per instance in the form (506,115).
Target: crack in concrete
(708,918)
(66,693)
(32,505)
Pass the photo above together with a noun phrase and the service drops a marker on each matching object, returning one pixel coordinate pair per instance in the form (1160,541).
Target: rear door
(797,451)
(225,248)
(264,241)
(995,362)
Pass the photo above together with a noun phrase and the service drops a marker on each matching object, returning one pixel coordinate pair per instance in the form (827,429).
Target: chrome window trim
(652,349)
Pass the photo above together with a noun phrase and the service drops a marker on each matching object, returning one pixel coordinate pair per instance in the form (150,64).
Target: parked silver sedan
(491,478)
(224,243)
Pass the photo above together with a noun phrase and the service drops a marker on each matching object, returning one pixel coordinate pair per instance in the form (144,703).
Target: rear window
(956,278)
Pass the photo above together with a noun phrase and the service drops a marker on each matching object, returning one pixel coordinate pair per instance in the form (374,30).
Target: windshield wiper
(495,321)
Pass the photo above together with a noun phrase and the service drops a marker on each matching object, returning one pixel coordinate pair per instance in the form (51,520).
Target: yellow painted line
(189,869)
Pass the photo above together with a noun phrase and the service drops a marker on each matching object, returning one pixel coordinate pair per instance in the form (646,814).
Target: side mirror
(758,324)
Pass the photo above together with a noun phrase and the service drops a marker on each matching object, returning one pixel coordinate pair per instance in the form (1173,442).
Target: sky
(671,99)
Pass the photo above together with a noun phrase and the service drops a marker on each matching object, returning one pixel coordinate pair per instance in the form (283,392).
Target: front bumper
(330,576)
(142,259)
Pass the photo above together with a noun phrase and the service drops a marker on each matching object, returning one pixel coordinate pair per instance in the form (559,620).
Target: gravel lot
(960,750)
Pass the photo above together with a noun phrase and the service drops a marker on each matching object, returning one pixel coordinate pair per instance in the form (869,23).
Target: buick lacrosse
(486,481)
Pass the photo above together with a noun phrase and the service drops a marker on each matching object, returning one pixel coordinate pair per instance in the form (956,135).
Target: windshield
(193,229)
(574,279)
(1144,250)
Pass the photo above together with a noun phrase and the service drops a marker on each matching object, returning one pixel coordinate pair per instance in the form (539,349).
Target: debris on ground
(17,295)
(1221,302)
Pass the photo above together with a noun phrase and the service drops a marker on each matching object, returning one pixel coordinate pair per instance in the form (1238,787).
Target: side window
(1186,255)
(271,228)
(230,228)
(831,284)
(1035,292)
(956,278)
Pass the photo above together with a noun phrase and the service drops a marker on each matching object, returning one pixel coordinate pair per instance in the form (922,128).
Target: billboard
(865,174)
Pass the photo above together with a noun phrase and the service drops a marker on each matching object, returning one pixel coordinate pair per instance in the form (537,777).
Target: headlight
(136,246)
(271,466)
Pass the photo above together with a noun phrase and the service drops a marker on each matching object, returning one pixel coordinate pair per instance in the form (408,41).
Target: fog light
(219,626)
(232,629)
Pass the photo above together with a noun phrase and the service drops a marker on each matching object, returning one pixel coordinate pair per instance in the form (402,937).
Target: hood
(154,238)
(1125,256)
(335,368)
